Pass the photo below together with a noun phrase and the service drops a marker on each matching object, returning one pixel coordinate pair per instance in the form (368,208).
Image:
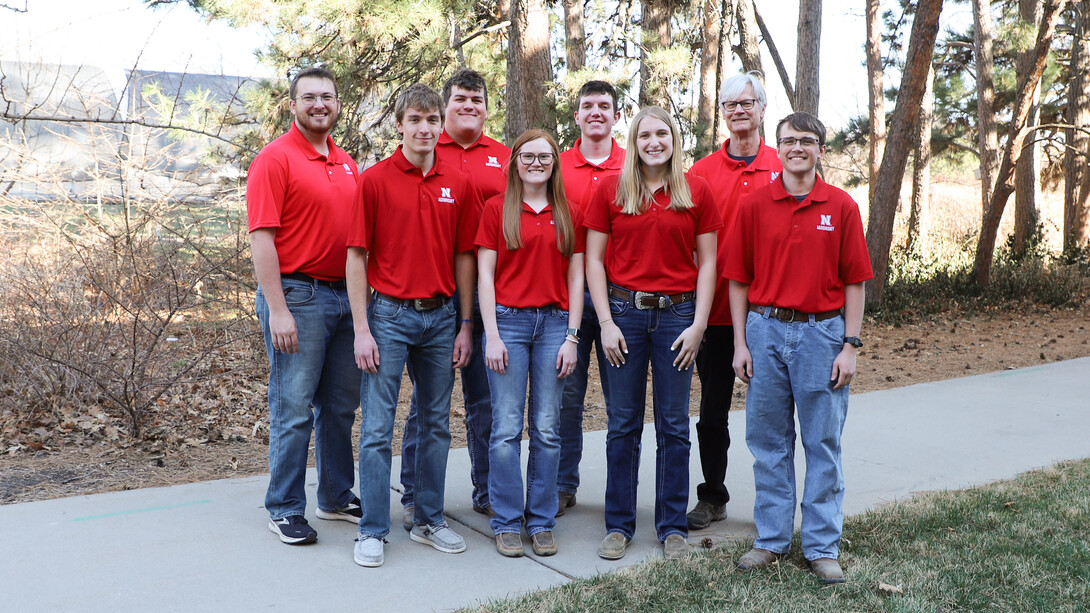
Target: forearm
(853,309)
(486,291)
(576,282)
(358,292)
(267,268)
(738,295)
(705,279)
(465,277)
(596,274)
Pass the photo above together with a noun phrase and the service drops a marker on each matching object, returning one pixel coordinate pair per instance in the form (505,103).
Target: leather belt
(649,300)
(783,314)
(298,276)
(419,304)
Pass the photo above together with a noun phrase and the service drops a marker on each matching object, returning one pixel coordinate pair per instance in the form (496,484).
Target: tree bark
(707,117)
(1027,179)
(807,61)
(529,68)
(985,250)
(574,35)
(919,216)
(785,79)
(876,91)
(655,32)
(883,207)
(748,49)
(987,137)
(1076,230)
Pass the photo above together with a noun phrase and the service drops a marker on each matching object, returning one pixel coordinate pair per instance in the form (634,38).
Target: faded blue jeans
(424,339)
(533,337)
(322,375)
(792,362)
(648,335)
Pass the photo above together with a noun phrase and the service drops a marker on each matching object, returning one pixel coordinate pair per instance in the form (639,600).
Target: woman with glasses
(656,298)
(530,262)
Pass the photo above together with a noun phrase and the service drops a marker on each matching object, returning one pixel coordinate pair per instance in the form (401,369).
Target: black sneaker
(351,513)
(293,530)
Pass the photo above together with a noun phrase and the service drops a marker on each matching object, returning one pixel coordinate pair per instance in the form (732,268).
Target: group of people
(513,265)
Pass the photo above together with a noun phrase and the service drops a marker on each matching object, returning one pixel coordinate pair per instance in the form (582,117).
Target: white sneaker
(439,536)
(368,551)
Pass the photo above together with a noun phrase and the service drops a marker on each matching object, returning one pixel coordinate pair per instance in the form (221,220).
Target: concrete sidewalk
(205,546)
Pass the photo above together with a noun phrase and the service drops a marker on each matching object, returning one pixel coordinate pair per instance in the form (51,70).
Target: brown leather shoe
(675,547)
(757,558)
(828,570)
(510,544)
(613,546)
(544,544)
(565,500)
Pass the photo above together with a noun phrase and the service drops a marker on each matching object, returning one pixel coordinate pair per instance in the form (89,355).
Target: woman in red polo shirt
(654,218)
(530,261)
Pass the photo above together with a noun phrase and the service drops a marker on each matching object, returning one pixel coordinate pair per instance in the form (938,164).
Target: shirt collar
(300,141)
(403,164)
(819,193)
(614,162)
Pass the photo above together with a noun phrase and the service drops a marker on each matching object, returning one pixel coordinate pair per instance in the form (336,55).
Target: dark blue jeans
(649,335)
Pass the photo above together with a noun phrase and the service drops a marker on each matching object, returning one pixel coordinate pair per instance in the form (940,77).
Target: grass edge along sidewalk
(1017,545)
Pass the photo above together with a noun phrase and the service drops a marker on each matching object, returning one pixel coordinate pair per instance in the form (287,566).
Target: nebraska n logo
(826,223)
(446,194)
(493,161)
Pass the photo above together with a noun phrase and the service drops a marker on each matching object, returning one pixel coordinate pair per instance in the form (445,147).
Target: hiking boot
(439,536)
(293,530)
(757,558)
(484,510)
(510,544)
(704,514)
(407,518)
(368,551)
(565,500)
(613,546)
(544,543)
(675,547)
(352,512)
(828,570)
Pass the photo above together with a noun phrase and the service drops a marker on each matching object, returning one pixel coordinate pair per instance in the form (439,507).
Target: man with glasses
(744,164)
(464,146)
(596,154)
(299,203)
(797,263)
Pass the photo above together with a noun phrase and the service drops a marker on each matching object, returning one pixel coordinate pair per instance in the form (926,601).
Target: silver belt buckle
(417,305)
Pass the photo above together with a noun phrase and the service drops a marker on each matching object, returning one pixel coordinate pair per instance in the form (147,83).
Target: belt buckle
(787,314)
(416,304)
(638,298)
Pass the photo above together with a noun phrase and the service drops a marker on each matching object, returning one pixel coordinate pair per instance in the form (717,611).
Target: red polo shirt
(412,226)
(307,198)
(485,161)
(730,180)
(536,274)
(652,251)
(798,255)
(581,177)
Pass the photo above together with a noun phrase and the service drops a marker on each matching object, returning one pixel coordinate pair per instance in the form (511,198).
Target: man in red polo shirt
(464,146)
(596,154)
(742,165)
(299,195)
(798,261)
(411,240)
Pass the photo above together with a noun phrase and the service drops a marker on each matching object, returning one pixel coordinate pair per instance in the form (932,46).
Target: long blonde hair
(633,196)
(554,191)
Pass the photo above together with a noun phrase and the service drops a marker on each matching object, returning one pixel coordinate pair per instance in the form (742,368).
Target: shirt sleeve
(740,245)
(489,230)
(361,233)
(579,228)
(266,184)
(469,218)
(598,206)
(708,217)
(854,264)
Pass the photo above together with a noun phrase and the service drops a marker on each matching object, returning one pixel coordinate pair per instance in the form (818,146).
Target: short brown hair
(803,122)
(469,80)
(420,97)
(314,72)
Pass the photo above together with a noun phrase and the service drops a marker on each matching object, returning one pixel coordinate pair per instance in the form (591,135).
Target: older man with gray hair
(742,165)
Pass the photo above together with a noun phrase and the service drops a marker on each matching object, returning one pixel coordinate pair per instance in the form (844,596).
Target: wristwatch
(854,341)
(572,332)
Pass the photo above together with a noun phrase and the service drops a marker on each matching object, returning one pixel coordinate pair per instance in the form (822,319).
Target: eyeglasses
(541,158)
(311,98)
(745,104)
(805,141)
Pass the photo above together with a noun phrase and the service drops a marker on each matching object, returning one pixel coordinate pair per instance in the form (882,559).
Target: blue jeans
(426,341)
(648,335)
(572,402)
(322,374)
(478,408)
(533,338)
(792,362)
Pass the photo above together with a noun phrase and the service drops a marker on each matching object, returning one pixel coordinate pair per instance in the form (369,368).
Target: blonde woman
(654,299)
(530,262)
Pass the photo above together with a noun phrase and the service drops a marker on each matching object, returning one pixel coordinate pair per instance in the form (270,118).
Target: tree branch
(780,68)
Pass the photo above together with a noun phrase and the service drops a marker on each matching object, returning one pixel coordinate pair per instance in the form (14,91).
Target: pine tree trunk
(655,26)
(987,138)
(529,68)
(574,35)
(707,117)
(875,92)
(1076,172)
(919,216)
(1027,179)
(807,64)
(748,50)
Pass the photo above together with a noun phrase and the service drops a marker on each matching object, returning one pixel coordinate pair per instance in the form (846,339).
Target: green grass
(1019,545)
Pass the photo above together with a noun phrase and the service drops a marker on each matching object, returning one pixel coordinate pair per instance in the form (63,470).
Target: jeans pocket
(833,328)
(384,309)
(504,311)
(618,306)
(684,310)
(297,293)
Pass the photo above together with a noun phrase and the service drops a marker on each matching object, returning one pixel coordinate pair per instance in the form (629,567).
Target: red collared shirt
(652,251)
(581,177)
(798,255)
(730,181)
(485,162)
(307,198)
(536,274)
(412,226)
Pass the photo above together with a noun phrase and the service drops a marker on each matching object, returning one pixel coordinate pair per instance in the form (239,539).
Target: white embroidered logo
(444,195)
(826,223)
(493,162)
(772,177)
(347,169)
